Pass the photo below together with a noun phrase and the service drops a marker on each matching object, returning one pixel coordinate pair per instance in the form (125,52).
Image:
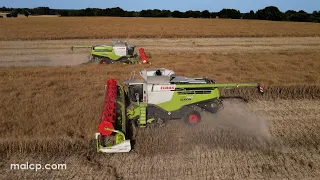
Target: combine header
(118,52)
(161,96)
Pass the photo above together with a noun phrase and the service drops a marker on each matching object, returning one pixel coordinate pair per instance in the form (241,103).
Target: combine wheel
(158,122)
(99,60)
(103,61)
(215,106)
(95,60)
(124,60)
(192,118)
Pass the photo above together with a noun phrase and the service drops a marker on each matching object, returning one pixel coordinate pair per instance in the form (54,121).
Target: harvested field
(99,27)
(50,114)
(285,61)
(208,152)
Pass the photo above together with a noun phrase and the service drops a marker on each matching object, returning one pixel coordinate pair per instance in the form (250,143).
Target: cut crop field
(281,61)
(245,149)
(50,108)
(112,27)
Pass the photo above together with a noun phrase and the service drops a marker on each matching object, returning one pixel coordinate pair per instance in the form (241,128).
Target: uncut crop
(107,27)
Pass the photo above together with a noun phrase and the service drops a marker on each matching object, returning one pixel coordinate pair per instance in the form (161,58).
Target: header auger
(117,52)
(161,96)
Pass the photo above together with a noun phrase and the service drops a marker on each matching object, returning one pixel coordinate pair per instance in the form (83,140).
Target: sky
(181,5)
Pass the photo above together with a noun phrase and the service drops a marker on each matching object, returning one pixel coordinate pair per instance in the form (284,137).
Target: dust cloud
(237,117)
(49,60)
(233,127)
(70,60)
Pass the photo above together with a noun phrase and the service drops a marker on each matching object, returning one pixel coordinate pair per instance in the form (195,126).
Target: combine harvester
(118,52)
(159,97)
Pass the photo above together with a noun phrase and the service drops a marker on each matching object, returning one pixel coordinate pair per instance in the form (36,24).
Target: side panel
(158,94)
(120,51)
(160,97)
(106,51)
(183,98)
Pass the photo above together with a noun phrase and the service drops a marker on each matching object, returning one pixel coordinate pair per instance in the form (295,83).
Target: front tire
(192,118)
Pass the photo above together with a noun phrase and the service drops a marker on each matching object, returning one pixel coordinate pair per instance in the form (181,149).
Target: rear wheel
(215,106)
(105,61)
(100,60)
(124,60)
(192,118)
(158,122)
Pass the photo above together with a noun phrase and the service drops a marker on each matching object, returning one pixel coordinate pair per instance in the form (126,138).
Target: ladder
(143,115)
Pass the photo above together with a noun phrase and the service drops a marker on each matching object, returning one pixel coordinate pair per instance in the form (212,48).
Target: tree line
(268,13)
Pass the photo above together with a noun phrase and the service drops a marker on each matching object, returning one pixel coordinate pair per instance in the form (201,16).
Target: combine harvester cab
(161,96)
(117,52)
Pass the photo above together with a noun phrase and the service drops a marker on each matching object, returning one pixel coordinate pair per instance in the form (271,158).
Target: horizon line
(154,9)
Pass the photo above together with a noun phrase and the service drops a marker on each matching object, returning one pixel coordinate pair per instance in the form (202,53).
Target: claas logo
(167,88)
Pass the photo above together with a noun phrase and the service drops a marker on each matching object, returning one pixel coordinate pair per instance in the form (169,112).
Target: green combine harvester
(161,96)
(117,52)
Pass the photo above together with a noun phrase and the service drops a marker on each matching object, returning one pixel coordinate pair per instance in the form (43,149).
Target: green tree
(193,14)
(300,16)
(3,8)
(118,12)
(63,12)
(146,13)
(229,13)
(41,11)
(156,13)
(213,14)
(89,12)
(197,14)
(250,15)
(189,13)
(205,14)
(130,14)
(315,16)
(270,13)
(177,14)
(165,13)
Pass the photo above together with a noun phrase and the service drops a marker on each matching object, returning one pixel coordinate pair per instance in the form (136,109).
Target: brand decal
(167,88)
(188,98)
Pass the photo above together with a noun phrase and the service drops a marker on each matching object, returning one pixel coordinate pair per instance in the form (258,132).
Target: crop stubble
(49,114)
(209,151)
